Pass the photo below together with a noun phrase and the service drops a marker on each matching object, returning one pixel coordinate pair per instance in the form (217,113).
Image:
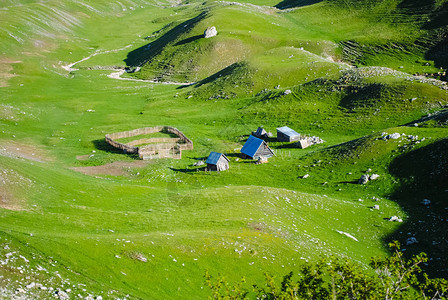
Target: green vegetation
(78,215)
(394,278)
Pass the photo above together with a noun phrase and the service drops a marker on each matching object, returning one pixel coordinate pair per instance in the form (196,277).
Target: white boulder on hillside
(210,32)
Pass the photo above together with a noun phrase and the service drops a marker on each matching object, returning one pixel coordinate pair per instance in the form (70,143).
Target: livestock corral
(152,147)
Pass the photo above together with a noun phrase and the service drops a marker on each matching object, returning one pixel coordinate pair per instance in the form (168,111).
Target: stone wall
(163,147)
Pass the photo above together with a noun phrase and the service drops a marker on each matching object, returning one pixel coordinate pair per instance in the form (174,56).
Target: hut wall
(221,165)
(302,144)
(263,151)
(281,137)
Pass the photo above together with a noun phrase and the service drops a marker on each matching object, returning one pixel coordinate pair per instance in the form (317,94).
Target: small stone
(306,176)
(287,92)
(395,219)
(377,207)
(364,179)
(411,241)
(374,176)
(31,285)
(393,136)
(199,163)
(426,202)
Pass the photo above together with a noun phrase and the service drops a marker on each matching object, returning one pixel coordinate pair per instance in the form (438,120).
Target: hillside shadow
(188,170)
(224,72)
(423,174)
(102,145)
(360,96)
(189,40)
(285,4)
(147,52)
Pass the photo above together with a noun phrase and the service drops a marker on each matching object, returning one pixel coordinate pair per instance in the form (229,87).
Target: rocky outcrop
(210,32)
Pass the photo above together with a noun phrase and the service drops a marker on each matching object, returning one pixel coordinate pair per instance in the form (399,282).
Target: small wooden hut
(260,133)
(217,162)
(255,148)
(286,134)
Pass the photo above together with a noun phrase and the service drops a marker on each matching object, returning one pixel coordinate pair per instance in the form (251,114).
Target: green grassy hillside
(79,217)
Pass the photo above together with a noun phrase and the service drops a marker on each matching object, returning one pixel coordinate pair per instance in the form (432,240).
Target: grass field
(151,230)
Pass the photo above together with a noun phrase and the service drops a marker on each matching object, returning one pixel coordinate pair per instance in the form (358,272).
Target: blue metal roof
(251,146)
(287,131)
(214,157)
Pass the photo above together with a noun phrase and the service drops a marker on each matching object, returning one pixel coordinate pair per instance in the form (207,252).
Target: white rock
(287,92)
(210,32)
(395,219)
(364,179)
(31,285)
(393,136)
(374,176)
(376,207)
(306,176)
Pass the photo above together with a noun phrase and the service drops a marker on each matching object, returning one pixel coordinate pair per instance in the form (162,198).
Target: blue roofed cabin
(255,148)
(286,134)
(217,162)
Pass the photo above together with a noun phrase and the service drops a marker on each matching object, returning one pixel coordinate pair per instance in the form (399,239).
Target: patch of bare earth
(118,168)
(83,157)
(13,183)
(20,150)
(7,201)
(6,70)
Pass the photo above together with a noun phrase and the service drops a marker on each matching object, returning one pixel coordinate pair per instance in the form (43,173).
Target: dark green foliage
(394,277)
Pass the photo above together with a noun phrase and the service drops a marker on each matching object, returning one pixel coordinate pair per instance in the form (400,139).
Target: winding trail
(119,72)
(117,75)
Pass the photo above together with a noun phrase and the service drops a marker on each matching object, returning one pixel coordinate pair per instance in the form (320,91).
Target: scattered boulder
(141,257)
(374,176)
(31,285)
(364,179)
(411,241)
(306,176)
(199,163)
(287,92)
(376,207)
(426,202)
(395,219)
(210,32)
(392,136)
(61,295)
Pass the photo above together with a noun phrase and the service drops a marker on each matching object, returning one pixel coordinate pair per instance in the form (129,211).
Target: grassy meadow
(80,217)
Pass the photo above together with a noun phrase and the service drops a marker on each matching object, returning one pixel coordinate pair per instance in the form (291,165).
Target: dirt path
(118,72)
(117,75)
